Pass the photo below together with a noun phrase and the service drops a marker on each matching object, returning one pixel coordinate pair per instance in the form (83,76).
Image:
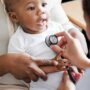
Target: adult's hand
(22,67)
(71,49)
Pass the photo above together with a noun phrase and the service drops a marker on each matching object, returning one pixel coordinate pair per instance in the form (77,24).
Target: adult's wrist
(87,63)
(84,62)
(3,65)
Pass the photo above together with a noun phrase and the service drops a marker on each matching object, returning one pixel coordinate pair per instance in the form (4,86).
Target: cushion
(4,29)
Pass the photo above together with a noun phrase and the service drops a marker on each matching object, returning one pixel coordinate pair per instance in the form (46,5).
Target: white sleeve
(16,44)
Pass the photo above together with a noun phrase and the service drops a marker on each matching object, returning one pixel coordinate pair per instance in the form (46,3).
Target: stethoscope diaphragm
(51,40)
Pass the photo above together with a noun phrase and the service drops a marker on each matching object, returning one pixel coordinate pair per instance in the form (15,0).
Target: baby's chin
(42,29)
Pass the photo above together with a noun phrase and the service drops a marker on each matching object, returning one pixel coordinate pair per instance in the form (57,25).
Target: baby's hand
(54,68)
(62,63)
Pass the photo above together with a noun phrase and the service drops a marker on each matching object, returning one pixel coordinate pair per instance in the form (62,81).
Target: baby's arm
(60,66)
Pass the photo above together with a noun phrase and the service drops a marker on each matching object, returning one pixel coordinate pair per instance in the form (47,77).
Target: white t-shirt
(35,46)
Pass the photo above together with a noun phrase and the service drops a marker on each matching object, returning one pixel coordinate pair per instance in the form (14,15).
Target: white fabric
(35,46)
(12,87)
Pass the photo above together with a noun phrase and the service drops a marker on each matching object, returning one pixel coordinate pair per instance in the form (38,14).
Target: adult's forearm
(3,65)
(82,62)
(85,63)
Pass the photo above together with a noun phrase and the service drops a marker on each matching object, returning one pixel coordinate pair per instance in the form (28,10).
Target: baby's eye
(44,4)
(31,8)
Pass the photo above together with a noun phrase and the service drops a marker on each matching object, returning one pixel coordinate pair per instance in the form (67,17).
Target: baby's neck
(26,30)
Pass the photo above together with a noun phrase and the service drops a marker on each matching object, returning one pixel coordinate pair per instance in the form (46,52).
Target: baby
(32,18)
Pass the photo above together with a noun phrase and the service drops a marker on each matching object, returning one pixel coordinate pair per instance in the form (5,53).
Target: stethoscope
(53,40)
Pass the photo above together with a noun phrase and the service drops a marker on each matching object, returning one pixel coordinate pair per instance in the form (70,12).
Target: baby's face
(32,15)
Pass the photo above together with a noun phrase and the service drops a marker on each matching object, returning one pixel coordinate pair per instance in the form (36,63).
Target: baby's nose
(41,11)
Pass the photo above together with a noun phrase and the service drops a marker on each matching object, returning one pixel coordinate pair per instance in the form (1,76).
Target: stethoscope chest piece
(51,40)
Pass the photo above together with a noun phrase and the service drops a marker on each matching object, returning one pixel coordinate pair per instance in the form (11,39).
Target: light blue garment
(84,83)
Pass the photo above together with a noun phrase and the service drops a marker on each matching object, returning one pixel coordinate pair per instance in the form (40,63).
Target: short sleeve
(16,44)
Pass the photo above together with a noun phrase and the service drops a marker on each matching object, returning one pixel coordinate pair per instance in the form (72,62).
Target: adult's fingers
(36,70)
(46,62)
(26,80)
(56,48)
(33,76)
(58,56)
(65,34)
(62,42)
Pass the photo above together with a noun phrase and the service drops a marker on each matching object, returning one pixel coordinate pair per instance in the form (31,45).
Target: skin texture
(71,49)
(24,68)
(31,15)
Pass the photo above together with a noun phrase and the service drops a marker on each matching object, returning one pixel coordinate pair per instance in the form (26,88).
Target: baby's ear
(13,17)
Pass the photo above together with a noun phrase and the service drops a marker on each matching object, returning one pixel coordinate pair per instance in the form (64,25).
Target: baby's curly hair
(10,4)
(86,6)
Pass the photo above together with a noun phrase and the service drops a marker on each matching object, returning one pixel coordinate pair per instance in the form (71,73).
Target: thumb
(56,48)
(58,56)
(65,34)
